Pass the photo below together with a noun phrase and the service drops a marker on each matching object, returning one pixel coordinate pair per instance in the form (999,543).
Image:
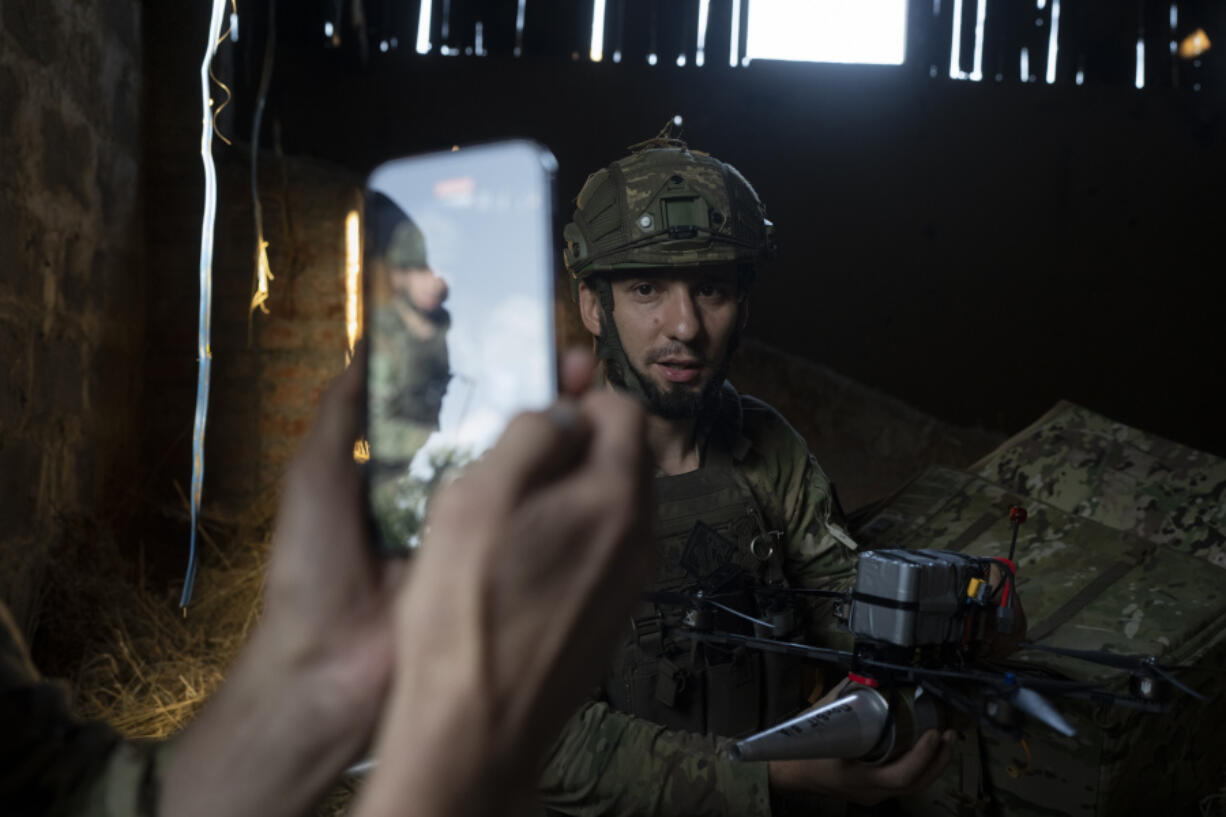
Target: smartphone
(457,312)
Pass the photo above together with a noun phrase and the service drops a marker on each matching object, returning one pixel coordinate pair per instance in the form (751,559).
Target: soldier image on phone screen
(458,290)
(409,365)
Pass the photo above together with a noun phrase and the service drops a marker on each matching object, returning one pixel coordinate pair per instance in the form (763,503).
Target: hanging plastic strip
(204,350)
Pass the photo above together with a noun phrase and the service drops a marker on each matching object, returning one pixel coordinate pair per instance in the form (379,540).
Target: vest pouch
(784,679)
(659,690)
(734,694)
(671,683)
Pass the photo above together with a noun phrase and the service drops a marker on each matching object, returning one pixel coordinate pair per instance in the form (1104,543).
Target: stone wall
(71,274)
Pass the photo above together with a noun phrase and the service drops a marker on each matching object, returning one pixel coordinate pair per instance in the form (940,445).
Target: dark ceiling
(977,249)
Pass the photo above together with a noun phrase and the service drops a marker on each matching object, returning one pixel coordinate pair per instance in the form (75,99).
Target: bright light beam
(955,50)
(519,28)
(353,278)
(597,52)
(734,47)
(846,31)
(353,303)
(204,349)
(1140,63)
(704,10)
(423,28)
(981,19)
(1053,41)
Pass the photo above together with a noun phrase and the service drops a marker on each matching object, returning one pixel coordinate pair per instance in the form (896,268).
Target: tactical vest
(427,373)
(712,538)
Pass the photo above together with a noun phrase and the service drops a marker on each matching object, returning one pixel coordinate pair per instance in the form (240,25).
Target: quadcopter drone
(921,622)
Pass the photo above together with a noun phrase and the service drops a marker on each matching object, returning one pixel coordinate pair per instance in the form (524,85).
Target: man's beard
(675,403)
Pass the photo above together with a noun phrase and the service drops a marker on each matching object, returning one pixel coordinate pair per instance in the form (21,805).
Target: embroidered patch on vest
(708,557)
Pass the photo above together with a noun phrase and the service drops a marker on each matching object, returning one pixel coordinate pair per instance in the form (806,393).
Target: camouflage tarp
(1092,466)
(1084,585)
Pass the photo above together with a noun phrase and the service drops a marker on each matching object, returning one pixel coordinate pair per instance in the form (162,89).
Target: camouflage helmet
(392,235)
(407,247)
(666,206)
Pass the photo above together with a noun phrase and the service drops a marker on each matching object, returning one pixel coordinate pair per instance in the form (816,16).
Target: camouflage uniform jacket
(609,762)
(54,765)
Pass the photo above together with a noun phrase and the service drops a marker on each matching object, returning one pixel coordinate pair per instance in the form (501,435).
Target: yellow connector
(972,589)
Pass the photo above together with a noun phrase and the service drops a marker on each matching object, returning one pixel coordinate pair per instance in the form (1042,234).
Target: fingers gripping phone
(457,307)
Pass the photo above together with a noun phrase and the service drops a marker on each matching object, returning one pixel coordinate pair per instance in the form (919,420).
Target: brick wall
(71,273)
(265,393)
(268,370)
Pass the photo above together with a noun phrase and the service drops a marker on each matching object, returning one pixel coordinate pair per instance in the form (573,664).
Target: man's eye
(644,289)
(710,291)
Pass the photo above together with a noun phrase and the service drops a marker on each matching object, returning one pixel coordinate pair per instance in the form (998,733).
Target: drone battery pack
(912,598)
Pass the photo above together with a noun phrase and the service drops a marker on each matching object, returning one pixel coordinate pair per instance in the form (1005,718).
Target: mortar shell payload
(848,727)
(861,725)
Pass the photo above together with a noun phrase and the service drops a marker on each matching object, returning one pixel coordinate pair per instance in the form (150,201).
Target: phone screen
(458,318)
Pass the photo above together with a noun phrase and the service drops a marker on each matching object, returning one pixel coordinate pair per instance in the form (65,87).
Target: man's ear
(589,308)
(743,318)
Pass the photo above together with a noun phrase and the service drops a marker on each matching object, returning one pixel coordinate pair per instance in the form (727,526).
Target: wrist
(798,776)
(447,756)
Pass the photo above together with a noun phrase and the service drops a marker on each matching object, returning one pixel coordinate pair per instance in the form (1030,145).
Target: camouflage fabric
(1091,466)
(665,207)
(407,247)
(608,762)
(1084,585)
(54,765)
(619,765)
(407,378)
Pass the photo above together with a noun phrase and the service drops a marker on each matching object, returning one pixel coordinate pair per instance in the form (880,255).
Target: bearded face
(420,288)
(677,329)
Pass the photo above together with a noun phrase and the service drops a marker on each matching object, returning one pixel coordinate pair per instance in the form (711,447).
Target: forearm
(444,758)
(626,765)
(269,743)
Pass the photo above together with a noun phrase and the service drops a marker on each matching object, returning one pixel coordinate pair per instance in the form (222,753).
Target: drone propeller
(1132,663)
(803,591)
(1036,706)
(698,598)
(1024,697)
(828,654)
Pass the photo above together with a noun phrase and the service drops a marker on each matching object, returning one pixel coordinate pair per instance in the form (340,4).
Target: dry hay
(132,657)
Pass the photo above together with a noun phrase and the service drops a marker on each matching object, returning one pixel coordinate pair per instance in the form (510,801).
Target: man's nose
(440,283)
(682,320)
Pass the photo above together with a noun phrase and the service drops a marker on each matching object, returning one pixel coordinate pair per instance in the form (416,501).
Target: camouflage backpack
(1113,557)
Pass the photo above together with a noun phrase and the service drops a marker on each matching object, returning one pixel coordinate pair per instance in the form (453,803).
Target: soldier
(409,368)
(662,252)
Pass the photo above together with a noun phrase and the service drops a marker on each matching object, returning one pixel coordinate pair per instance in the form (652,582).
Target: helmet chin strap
(618,370)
